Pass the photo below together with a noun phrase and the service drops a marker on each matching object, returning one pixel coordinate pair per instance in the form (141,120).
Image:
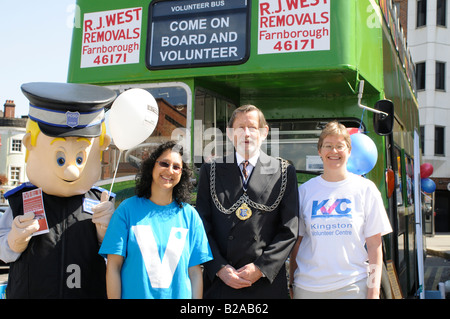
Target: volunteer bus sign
(187,33)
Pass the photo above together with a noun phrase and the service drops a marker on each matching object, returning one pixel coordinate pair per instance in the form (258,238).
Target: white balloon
(133,118)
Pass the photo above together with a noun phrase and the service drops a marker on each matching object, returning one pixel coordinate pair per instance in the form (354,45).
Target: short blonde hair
(335,128)
(34,130)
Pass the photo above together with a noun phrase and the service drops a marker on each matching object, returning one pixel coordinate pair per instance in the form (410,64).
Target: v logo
(340,206)
(160,270)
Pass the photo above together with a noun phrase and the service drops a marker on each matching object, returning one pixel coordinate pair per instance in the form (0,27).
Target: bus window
(296,141)
(409,163)
(173,101)
(212,113)
(398,175)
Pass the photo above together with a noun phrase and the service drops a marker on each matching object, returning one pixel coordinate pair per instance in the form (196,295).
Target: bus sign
(293,26)
(111,37)
(187,34)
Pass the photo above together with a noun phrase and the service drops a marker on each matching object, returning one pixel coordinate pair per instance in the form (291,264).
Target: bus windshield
(296,141)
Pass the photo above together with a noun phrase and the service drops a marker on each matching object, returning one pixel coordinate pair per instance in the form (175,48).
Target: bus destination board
(187,33)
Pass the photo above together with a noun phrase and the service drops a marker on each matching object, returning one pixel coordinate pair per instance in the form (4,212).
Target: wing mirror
(383,120)
(383,123)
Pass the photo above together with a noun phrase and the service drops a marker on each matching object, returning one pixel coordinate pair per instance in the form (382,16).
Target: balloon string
(361,122)
(115,172)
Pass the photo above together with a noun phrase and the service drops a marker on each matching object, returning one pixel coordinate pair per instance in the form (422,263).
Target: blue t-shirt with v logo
(159,244)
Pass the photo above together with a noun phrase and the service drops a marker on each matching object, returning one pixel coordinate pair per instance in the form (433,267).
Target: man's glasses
(176,168)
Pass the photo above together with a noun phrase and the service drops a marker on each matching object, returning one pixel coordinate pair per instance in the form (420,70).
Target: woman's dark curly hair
(181,191)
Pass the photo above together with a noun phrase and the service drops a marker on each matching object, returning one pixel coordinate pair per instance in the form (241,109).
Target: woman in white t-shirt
(342,219)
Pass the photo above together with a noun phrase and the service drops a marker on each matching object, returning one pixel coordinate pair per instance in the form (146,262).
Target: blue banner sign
(188,33)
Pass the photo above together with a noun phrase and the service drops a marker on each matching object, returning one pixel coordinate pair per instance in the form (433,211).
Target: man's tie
(244,169)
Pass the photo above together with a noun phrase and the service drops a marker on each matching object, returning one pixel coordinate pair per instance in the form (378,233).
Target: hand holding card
(33,202)
(22,228)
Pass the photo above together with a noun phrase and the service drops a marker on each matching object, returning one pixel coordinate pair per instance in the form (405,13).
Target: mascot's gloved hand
(102,215)
(22,229)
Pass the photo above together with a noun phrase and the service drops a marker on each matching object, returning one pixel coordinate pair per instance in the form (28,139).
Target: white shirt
(251,163)
(335,220)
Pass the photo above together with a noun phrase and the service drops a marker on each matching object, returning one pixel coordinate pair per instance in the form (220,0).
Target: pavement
(438,245)
(437,270)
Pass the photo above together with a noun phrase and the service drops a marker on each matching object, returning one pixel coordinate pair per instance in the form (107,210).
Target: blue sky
(35,45)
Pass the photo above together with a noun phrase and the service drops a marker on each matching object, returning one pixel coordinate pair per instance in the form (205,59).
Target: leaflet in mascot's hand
(33,202)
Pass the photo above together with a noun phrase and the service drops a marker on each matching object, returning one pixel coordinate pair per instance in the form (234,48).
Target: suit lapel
(261,180)
(229,181)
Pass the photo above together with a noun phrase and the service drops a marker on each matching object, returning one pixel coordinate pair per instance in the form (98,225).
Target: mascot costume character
(55,223)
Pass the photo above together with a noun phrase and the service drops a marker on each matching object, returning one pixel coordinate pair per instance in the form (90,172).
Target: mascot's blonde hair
(34,130)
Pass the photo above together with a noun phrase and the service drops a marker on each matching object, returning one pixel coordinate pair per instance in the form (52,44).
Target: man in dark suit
(249,205)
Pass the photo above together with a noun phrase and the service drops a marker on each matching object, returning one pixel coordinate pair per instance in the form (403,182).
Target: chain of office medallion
(244,198)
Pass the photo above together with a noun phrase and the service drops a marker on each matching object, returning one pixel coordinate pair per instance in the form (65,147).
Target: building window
(421,13)
(420,75)
(439,140)
(14,174)
(16,146)
(440,76)
(441,14)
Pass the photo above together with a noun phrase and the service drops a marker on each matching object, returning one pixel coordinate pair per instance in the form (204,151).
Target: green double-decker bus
(302,62)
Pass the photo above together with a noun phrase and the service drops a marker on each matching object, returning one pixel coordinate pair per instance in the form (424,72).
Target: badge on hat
(72,119)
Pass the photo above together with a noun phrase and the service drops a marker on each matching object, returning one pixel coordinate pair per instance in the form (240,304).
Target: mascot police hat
(68,109)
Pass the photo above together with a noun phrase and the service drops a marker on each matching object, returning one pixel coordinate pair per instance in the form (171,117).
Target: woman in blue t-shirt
(155,241)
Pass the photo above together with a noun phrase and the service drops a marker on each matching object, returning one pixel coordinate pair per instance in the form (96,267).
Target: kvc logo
(329,208)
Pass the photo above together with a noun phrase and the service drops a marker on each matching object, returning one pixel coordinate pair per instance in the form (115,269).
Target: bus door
(408,162)
(392,254)
(399,226)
